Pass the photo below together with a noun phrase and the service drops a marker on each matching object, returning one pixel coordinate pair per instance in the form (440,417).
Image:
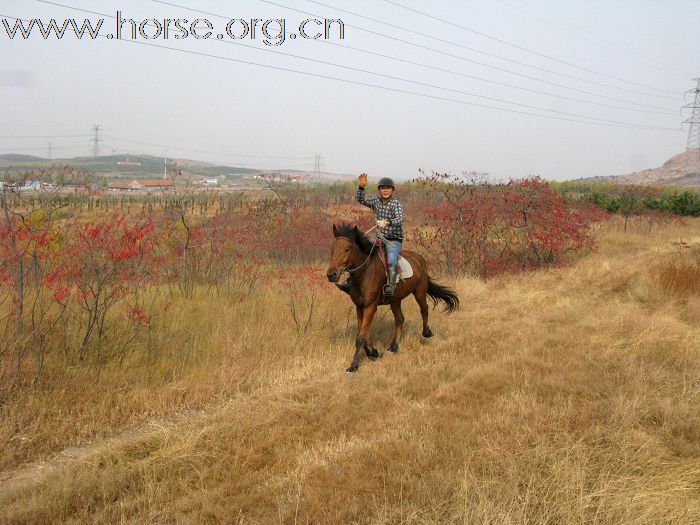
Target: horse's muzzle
(333,276)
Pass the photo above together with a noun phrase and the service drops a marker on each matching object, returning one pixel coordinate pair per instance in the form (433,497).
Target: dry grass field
(568,395)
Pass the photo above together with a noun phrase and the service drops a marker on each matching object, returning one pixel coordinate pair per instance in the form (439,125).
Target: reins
(351,270)
(379,235)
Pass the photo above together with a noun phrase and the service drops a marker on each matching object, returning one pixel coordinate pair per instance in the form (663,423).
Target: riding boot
(390,286)
(345,287)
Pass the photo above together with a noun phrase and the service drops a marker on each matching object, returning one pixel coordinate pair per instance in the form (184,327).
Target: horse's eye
(347,250)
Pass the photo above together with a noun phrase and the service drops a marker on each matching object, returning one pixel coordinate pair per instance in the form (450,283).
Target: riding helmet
(386,181)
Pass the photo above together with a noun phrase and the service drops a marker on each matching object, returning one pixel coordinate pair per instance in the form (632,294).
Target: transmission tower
(694,120)
(318,162)
(96,141)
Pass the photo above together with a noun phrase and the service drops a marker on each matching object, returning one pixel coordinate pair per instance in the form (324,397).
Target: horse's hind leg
(398,323)
(421,299)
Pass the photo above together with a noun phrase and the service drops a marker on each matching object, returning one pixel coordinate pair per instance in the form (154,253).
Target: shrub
(489,229)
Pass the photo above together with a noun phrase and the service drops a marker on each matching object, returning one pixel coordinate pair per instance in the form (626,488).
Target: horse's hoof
(372,352)
(351,370)
(394,348)
(427,333)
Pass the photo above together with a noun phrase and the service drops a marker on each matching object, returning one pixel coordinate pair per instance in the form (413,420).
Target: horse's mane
(354,234)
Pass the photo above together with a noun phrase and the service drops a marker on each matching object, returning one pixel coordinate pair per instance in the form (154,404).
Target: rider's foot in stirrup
(390,286)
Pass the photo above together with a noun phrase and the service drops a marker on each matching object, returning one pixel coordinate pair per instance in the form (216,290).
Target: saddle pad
(405,269)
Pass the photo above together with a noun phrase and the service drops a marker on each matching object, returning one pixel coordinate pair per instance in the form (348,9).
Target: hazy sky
(638,56)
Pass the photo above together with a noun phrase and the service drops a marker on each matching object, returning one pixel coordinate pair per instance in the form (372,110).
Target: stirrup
(389,289)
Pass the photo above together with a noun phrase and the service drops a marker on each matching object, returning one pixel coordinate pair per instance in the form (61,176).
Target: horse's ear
(335,231)
(356,233)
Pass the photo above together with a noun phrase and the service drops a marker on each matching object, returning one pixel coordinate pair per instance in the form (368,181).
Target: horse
(353,252)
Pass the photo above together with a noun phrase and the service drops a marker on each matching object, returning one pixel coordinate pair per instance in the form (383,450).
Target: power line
(458,57)
(367,84)
(431,37)
(590,36)
(399,59)
(42,148)
(40,136)
(307,157)
(424,83)
(442,88)
(505,84)
(591,120)
(229,155)
(74,147)
(522,48)
(435,68)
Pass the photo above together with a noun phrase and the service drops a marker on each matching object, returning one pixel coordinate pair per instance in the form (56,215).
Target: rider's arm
(362,198)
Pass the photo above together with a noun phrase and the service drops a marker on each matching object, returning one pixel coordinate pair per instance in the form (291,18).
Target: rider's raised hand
(362,180)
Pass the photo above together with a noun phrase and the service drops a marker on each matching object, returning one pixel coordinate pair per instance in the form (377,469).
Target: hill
(680,170)
(125,166)
(119,165)
(18,157)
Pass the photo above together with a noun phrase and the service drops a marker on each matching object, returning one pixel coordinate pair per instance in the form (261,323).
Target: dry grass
(562,396)
(681,274)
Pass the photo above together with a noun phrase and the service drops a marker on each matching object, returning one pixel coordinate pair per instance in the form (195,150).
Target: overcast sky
(638,56)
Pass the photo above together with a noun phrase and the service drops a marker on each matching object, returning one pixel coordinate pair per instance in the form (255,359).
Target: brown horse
(353,252)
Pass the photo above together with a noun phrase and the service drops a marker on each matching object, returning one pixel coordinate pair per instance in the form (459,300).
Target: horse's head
(342,251)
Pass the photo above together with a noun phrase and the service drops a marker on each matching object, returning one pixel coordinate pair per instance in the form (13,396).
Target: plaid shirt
(391,210)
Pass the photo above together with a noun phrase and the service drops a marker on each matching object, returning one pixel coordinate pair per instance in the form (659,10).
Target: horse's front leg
(367,318)
(369,350)
(398,326)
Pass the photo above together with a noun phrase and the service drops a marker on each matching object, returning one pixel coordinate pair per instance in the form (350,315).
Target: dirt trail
(35,472)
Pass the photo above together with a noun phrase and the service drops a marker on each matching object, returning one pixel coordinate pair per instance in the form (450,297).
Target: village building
(140,185)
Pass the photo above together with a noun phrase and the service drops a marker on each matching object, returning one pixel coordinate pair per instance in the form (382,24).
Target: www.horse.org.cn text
(271,31)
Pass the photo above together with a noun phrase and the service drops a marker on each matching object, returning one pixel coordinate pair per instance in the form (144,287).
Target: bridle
(352,270)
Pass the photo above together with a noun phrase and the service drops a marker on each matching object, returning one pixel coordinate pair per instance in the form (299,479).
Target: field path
(36,472)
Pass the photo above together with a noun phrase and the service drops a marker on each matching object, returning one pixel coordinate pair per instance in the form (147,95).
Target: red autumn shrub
(101,265)
(489,229)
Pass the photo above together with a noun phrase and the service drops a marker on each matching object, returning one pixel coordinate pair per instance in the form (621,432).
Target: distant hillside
(119,166)
(17,157)
(680,170)
(127,166)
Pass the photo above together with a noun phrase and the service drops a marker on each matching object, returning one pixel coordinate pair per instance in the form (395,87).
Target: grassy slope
(559,396)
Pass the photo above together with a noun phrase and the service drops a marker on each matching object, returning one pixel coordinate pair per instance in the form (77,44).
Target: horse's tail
(437,292)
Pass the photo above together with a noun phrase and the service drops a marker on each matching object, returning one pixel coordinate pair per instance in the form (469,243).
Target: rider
(388,211)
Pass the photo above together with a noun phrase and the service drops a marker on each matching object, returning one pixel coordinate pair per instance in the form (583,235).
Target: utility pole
(165,165)
(694,120)
(96,141)
(318,162)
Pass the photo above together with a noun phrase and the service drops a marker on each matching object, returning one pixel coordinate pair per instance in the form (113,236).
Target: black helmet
(386,181)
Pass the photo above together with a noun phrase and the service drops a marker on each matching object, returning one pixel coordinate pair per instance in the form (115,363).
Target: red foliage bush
(100,265)
(490,229)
